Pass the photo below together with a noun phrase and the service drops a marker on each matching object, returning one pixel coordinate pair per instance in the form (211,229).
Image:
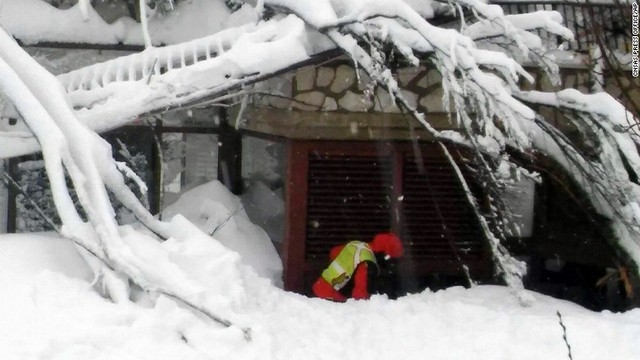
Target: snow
(211,207)
(46,250)
(614,195)
(236,273)
(49,310)
(34,21)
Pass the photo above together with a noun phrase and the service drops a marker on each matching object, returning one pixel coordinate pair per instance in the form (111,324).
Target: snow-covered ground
(50,310)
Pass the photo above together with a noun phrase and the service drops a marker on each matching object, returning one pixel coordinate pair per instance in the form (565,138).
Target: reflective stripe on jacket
(341,269)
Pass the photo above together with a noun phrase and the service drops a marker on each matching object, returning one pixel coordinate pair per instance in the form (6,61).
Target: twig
(226,220)
(564,334)
(447,232)
(224,322)
(155,61)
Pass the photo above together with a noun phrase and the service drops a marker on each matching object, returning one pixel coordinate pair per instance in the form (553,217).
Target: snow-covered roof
(35,21)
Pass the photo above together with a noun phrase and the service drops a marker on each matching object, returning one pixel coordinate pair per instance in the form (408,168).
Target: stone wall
(339,90)
(340,87)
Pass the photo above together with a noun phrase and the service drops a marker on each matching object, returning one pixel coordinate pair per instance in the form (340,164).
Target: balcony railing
(591,21)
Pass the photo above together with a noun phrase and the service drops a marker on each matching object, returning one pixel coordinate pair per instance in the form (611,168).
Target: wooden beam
(296,216)
(229,155)
(12,193)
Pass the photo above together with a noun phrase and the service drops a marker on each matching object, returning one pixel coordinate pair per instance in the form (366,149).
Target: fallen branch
(220,320)
(226,323)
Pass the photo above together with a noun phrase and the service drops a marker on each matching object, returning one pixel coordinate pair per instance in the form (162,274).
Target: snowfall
(50,308)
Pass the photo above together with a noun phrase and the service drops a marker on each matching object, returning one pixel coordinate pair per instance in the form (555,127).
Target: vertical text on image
(635,41)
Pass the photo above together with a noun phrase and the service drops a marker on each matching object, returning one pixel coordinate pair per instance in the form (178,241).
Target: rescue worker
(351,264)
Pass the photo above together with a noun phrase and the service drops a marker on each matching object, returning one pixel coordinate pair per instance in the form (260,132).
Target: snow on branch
(480,96)
(111,94)
(609,171)
(115,256)
(491,111)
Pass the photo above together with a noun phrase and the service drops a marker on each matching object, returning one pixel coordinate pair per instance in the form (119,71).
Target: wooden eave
(316,125)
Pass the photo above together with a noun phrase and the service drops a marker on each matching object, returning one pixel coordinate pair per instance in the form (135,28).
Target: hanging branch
(445,228)
(511,269)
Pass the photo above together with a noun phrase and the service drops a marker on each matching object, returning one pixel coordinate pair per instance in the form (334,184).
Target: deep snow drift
(49,310)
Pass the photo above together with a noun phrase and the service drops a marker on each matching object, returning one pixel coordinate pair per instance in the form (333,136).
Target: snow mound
(217,212)
(49,310)
(28,255)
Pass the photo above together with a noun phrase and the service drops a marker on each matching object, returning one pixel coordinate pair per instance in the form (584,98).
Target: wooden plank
(295,215)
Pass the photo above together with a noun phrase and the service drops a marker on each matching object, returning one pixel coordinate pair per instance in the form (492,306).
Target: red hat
(387,243)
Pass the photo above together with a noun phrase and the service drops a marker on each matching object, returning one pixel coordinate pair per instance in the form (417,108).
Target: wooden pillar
(157,162)
(229,155)
(296,216)
(397,191)
(12,193)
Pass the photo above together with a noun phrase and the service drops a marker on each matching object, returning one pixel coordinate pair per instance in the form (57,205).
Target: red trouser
(322,289)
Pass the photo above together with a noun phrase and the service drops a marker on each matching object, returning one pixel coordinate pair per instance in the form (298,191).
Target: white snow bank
(215,210)
(49,310)
(48,315)
(46,250)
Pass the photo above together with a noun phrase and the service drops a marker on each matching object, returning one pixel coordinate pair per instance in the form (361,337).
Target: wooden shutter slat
(347,198)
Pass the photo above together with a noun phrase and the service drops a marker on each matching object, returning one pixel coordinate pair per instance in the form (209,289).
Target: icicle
(106,75)
(145,66)
(119,71)
(83,80)
(131,72)
(194,50)
(220,47)
(169,61)
(84,9)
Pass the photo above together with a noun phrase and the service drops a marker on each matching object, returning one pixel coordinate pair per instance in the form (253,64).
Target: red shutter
(350,195)
(348,198)
(438,225)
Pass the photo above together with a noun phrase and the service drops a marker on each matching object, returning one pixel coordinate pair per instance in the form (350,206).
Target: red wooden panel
(348,198)
(339,191)
(439,228)
(295,215)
